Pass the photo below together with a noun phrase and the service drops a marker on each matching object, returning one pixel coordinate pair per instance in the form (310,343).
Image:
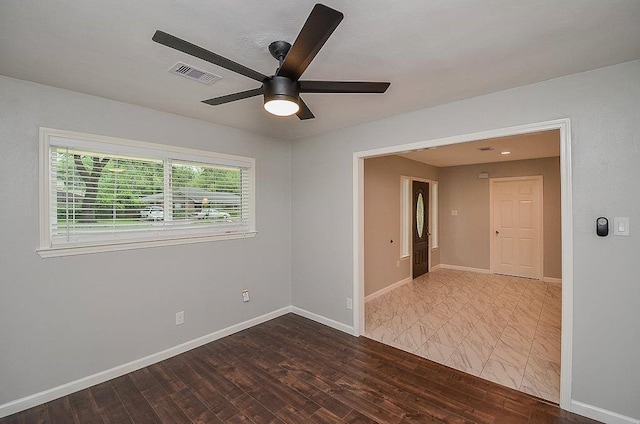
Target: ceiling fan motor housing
(281,88)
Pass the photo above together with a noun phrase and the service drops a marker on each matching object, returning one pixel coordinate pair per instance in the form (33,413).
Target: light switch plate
(180,318)
(621,226)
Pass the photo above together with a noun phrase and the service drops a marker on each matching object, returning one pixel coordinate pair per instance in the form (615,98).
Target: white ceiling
(542,144)
(433,52)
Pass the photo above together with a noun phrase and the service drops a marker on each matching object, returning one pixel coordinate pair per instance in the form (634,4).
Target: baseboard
(387,289)
(433,268)
(323,320)
(83,383)
(552,280)
(488,271)
(466,268)
(600,414)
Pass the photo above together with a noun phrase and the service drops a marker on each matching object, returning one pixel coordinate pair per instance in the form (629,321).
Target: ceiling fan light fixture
(281,96)
(281,107)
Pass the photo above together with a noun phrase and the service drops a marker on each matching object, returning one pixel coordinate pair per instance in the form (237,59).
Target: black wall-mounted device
(602,226)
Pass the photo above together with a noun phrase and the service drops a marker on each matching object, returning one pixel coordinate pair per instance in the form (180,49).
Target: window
(405,216)
(434,214)
(100,193)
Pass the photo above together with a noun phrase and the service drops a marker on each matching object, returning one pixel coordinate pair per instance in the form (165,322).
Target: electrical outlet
(179,317)
(349,303)
(245,295)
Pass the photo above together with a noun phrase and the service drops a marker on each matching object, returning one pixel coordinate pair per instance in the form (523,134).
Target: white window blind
(102,191)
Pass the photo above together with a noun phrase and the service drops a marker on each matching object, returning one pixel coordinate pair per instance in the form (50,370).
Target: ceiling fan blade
(233,97)
(304,112)
(193,50)
(314,33)
(343,87)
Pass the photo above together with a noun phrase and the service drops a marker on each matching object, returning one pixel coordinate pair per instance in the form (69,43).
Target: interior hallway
(504,329)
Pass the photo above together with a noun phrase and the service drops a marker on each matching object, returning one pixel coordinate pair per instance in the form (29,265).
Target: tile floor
(504,329)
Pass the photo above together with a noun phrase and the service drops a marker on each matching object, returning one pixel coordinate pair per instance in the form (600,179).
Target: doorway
(563,127)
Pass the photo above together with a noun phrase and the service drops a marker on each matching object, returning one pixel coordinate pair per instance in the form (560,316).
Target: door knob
(497,232)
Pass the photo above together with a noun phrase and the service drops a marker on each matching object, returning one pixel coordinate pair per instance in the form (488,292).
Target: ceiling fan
(282,90)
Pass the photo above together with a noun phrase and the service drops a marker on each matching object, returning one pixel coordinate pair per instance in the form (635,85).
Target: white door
(516,218)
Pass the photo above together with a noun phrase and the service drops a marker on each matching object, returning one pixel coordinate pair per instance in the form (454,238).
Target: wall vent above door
(194,73)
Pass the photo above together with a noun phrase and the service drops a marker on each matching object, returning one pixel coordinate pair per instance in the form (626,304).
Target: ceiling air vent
(193,73)
(485,149)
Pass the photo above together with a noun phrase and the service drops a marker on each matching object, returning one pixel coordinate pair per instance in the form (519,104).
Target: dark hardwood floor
(294,370)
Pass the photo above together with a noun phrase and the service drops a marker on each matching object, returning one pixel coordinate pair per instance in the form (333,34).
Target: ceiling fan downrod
(279,50)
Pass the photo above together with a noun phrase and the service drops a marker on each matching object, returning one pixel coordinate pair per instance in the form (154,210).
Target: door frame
(539,268)
(430,212)
(564,127)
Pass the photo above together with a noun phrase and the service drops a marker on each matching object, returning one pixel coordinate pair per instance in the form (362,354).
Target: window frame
(434,216)
(48,140)
(405,216)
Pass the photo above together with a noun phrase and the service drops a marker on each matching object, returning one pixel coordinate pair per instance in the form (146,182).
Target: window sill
(59,251)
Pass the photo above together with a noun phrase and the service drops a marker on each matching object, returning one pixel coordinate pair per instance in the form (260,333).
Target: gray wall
(604,108)
(70,317)
(465,238)
(382,219)
(67,318)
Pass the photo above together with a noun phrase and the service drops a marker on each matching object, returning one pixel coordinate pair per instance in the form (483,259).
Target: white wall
(604,108)
(67,318)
